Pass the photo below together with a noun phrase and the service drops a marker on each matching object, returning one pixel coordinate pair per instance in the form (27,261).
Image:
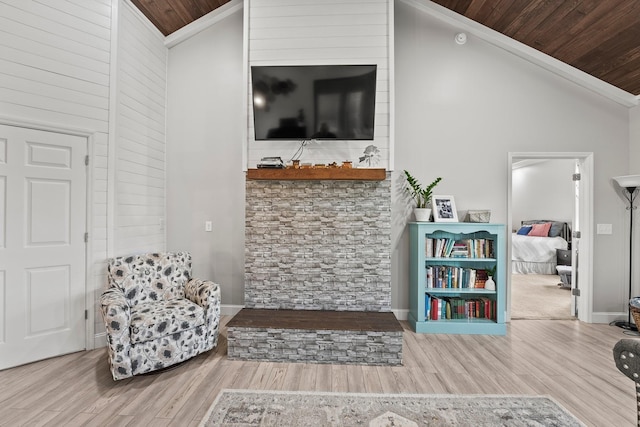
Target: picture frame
(444,209)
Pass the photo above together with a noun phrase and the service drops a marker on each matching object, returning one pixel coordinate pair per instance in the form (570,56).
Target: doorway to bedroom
(544,211)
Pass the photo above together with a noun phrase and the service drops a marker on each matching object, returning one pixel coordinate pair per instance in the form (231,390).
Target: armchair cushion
(152,277)
(158,319)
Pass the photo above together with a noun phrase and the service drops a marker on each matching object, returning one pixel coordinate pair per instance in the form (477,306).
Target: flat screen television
(314,102)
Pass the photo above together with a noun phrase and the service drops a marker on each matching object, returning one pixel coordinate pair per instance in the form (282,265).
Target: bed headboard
(563,229)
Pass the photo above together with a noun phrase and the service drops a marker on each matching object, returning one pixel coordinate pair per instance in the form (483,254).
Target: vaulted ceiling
(599,37)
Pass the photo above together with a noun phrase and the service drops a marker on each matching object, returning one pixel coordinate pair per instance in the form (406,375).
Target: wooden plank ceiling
(599,37)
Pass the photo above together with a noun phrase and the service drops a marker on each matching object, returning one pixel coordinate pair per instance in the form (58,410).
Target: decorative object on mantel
(371,156)
(479,215)
(271,163)
(422,196)
(444,209)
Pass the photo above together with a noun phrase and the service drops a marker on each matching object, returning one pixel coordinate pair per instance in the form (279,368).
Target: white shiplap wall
(314,32)
(140,135)
(55,75)
(62,70)
(54,62)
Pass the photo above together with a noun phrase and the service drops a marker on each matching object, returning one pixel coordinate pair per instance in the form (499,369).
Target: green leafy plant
(491,271)
(421,195)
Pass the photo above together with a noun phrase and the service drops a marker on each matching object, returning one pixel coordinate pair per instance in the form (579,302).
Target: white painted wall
(634,169)
(303,32)
(461,109)
(543,190)
(634,140)
(139,175)
(204,155)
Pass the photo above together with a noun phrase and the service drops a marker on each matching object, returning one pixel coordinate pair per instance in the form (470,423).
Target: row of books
(459,248)
(446,276)
(451,308)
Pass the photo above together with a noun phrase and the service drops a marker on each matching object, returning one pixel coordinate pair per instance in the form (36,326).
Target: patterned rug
(235,408)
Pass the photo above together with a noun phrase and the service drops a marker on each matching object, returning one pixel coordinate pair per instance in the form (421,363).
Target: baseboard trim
(230,310)
(100,340)
(608,317)
(401,313)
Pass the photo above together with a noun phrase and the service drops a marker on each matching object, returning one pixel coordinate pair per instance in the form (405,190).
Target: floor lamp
(630,183)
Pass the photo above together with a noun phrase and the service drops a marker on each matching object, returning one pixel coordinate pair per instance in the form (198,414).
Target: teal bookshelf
(479,247)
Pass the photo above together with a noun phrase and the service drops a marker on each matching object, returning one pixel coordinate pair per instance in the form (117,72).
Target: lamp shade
(627,181)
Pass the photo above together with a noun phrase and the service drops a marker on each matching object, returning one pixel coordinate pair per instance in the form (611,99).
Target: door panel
(47,304)
(42,254)
(47,214)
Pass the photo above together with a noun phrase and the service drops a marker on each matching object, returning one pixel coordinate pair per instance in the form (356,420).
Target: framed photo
(444,209)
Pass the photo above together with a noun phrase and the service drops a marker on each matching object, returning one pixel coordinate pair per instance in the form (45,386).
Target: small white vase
(422,214)
(490,285)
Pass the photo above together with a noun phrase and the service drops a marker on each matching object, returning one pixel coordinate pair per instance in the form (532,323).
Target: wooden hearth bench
(315,336)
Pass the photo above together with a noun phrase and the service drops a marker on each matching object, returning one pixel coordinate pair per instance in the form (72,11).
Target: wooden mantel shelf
(353,174)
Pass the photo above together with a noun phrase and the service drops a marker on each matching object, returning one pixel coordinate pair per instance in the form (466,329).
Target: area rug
(235,408)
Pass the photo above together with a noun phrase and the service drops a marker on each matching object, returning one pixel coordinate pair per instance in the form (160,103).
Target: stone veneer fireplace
(318,245)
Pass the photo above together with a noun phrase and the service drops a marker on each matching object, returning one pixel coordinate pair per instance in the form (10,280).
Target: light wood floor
(568,360)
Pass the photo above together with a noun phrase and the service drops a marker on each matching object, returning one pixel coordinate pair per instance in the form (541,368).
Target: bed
(536,253)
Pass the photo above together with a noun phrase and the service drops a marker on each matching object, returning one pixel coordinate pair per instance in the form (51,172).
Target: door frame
(89,287)
(585,265)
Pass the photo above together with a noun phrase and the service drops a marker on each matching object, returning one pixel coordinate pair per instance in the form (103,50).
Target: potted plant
(422,196)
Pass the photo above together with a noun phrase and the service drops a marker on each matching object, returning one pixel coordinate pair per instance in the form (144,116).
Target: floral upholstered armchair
(155,314)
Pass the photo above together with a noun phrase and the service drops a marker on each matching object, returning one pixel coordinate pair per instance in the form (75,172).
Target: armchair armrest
(203,292)
(207,295)
(116,314)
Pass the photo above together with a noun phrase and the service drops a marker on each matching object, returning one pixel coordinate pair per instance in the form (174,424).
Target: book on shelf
(454,277)
(455,308)
(458,248)
(481,278)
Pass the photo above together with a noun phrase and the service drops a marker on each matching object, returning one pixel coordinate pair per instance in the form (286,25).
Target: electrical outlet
(208,226)
(604,228)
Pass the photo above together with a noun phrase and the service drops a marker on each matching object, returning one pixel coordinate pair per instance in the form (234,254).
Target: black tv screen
(314,102)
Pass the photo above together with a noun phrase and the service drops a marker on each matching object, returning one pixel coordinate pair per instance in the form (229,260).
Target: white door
(42,249)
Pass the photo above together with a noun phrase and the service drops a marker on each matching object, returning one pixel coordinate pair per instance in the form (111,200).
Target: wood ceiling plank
(161,14)
(612,54)
(489,12)
(625,75)
(532,17)
(475,7)
(597,31)
(513,14)
(458,6)
(547,30)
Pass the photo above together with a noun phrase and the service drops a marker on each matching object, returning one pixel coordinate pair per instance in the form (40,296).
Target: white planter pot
(490,285)
(422,214)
